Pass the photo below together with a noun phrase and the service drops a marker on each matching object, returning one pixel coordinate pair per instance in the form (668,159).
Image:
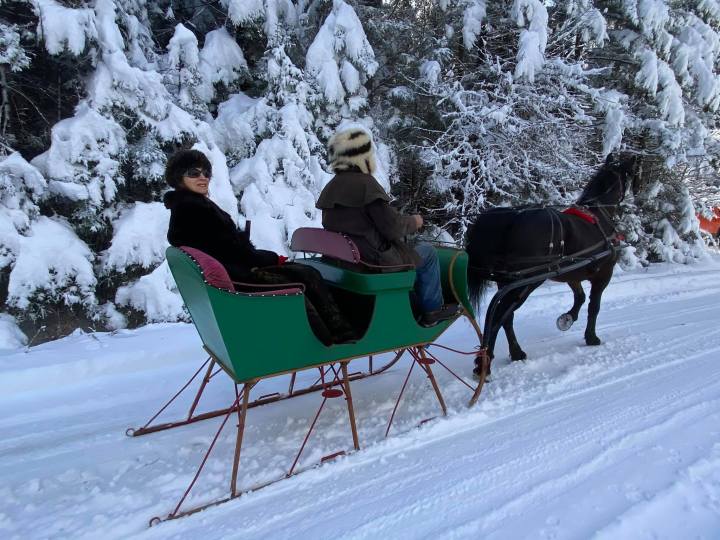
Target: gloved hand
(282,259)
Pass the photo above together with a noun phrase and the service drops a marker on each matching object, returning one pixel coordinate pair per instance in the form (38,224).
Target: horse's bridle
(612,239)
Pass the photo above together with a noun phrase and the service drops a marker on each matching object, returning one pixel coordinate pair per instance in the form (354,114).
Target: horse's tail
(477,285)
(481,247)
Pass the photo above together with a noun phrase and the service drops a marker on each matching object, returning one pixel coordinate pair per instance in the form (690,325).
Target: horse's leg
(516,352)
(497,313)
(566,320)
(599,281)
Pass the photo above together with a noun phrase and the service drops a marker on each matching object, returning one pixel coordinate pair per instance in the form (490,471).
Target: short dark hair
(181,161)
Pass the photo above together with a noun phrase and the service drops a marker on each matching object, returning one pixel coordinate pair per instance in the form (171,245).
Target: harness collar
(582,213)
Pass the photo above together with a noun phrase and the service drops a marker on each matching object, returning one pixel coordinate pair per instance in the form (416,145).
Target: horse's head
(607,187)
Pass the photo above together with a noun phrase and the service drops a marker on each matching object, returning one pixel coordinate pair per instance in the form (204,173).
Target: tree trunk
(5,103)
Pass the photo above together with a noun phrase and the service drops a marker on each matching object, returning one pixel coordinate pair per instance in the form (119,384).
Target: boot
(431,318)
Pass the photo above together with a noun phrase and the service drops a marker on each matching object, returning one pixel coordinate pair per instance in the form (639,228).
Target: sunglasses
(197,172)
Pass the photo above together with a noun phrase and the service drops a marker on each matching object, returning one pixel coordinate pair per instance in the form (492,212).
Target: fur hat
(351,148)
(181,161)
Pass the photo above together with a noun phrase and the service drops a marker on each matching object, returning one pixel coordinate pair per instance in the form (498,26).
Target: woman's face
(197,180)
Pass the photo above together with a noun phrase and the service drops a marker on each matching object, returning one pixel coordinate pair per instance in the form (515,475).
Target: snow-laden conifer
(533,16)
(472,104)
(21,188)
(341,59)
(183,77)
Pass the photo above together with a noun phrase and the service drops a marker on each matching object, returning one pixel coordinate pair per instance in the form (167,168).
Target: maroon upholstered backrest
(213,271)
(324,242)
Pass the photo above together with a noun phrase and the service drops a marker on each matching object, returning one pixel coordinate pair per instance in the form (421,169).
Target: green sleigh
(256,334)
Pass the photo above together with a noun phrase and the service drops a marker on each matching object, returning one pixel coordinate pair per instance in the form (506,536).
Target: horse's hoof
(564,322)
(592,340)
(478,361)
(477,374)
(517,356)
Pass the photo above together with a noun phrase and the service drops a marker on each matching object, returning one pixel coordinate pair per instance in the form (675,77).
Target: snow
(596,27)
(697,46)
(631,10)
(711,7)
(116,83)
(86,138)
(531,49)
(109,34)
(14,167)
(613,130)
(279,15)
(139,237)
(155,295)
(670,97)
(659,80)
(11,337)
(183,47)
(52,263)
(222,59)
(64,28)
(242,11)
(430,71)
(220,191)
(647,76)
(654,16)
(475,12)
(339,52)
(183,59)
(616,441)
(234,124)
(281,181)
(11,52)
(611,103)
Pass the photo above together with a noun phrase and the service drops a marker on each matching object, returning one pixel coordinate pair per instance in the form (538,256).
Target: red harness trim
(582,215)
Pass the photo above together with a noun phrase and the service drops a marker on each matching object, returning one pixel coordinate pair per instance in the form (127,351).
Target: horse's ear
(609,159)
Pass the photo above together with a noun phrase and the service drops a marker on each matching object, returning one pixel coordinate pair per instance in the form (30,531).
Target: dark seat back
(213,271)
(324,242)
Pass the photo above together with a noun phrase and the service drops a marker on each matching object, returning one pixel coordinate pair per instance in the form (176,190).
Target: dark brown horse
(516,247)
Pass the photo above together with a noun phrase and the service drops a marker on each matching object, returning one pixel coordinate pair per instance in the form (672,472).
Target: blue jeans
(427,279)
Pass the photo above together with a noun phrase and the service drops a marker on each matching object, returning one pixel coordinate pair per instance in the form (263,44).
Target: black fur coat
(197,222)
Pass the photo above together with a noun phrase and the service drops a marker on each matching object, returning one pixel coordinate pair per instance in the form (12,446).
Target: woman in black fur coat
(196,221)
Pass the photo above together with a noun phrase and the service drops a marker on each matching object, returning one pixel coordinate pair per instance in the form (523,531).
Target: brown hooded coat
(354,203)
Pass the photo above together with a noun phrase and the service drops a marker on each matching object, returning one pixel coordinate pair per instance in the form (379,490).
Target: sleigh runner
(255,334)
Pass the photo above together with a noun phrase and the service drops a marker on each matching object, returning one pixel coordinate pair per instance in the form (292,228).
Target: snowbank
(11,337)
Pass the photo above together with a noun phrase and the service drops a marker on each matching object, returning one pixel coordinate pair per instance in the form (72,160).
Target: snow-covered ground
(616,441)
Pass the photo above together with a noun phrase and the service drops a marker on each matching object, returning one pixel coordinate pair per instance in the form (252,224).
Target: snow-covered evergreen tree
(472,104)
(280,178)
(183,77)
(665,72)
(499,123)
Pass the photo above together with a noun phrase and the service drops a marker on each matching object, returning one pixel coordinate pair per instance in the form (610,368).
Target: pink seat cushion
(324,242)
(213,271)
